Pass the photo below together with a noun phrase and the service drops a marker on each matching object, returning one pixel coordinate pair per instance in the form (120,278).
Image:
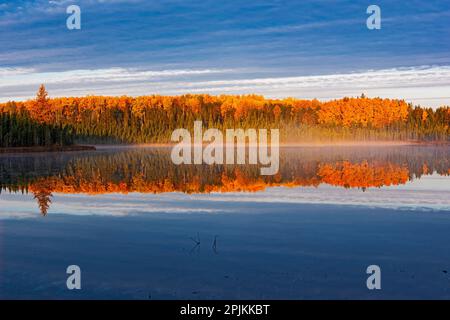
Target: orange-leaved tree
(40,108)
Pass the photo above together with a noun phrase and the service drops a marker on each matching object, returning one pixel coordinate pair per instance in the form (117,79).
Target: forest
(151,119)
(18,128)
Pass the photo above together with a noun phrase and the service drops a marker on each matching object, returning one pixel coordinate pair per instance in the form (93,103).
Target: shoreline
(76,148)
(298,144)
(44,149)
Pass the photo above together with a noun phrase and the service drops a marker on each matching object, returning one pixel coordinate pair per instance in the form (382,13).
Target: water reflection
(150,170)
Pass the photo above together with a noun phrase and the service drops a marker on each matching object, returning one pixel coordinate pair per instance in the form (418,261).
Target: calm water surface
(140,227)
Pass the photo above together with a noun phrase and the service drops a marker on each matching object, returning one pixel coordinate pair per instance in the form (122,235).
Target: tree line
(20,128)
(151,119)
(20,131)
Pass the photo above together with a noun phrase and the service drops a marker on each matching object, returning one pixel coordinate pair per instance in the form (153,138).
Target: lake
(140,227)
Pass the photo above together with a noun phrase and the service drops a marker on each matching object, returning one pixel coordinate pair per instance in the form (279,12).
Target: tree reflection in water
(150,170)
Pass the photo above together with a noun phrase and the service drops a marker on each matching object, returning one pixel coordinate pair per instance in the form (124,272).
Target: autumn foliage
(147,119)
(32,124)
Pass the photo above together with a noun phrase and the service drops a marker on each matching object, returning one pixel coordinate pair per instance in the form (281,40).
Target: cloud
(429,85)
(425,85)
(20,76)
(405,76)
(10,72)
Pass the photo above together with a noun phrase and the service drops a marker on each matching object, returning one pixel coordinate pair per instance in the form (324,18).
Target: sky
(305,49)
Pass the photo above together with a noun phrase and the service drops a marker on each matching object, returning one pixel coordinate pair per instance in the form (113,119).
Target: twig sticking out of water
(214,246)
(197,241)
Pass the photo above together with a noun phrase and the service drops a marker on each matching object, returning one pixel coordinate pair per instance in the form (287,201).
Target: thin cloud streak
(427,85)
(22,77)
